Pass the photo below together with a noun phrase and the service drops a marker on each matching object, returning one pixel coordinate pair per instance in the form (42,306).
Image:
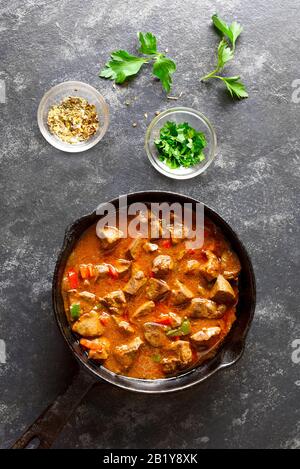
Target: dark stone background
(253,184)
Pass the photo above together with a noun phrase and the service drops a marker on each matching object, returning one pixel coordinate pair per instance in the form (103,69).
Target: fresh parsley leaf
(235,87)
(236,30)
(148,43)
(232,32)
(180,145)
(122,66)
(221,26)
(224,54)
(163,68)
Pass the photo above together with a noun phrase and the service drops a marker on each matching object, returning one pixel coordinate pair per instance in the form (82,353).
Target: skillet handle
(232,353)
(43,432)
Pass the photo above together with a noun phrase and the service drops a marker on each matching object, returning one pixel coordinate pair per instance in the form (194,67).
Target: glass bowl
(73,88)
(196,120)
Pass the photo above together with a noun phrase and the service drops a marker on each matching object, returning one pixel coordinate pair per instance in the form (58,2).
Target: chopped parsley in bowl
(180,143)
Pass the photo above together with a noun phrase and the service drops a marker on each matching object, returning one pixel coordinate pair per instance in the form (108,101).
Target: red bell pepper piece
(165,321)
(104,318)
(73,279)
(166,243)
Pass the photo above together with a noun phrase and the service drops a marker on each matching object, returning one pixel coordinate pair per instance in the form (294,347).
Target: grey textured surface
(253,183)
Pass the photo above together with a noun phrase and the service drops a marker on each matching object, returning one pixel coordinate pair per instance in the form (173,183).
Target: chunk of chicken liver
(137,281)
(230,264)
(183,351)
(122,266)
(204,308)
(222,291)
(211,268)
(192,267)
(155,334)
(88,325)
(126,353)
(123,326)
(157,289)
(115,301)
(109,236)
(88,296)
(181,294)
(101,271)
(162,265)
(135,247)
(150,247)
(180,356)
(144,309)
(205,334)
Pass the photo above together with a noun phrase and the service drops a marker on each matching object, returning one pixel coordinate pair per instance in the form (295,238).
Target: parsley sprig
(226,53)
(232,32)
(124,65)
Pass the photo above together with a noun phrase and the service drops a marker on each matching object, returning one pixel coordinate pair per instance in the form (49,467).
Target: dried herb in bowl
(73,120)
(180,145)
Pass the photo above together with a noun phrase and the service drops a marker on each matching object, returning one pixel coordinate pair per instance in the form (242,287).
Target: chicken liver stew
(150,308)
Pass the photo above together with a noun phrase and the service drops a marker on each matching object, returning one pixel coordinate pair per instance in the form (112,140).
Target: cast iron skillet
(46,428)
